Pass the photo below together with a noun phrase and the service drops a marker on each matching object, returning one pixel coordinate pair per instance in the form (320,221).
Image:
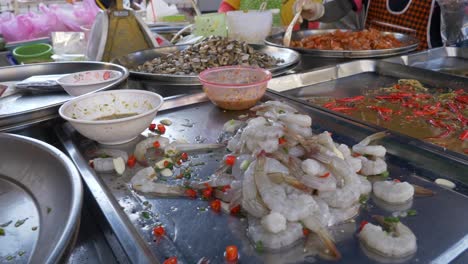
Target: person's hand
(311,10)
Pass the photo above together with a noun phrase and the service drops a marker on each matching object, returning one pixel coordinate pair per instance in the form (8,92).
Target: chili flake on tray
(439,116)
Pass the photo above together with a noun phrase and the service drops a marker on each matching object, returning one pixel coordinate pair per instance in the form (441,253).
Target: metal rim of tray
(411,42)
(137,58)
(68,236)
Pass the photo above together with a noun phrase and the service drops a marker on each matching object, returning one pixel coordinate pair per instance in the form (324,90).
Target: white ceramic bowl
(80,83)
(83,111)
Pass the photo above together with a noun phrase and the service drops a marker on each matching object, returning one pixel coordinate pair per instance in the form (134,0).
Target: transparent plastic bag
(454,21)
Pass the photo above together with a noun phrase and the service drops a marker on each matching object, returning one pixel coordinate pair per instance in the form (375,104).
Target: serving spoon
(288,33)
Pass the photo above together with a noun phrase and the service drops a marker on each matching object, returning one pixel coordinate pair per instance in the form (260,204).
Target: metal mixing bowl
(41,194)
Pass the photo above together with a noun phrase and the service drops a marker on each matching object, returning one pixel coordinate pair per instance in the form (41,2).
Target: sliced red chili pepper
(355,154)
(462,99)
(464,135)
(351,99)
(91,164)
(171,260)
(166,164)
(156,144)
(362,225)
(179,162)
(131,161)
(281,140)
(396,180)
(325,175)
(191,193)
(216,205)
(208,192)
(184,156)
(231,253)
(152,127)
(225,188)
(343,108)
(159,231)
(230,160)
(161,129)
(449,129)
(235,210)
(329,105)
(305,231)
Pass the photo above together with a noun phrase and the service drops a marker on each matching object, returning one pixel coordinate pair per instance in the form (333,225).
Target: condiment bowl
(80,83)
(112,117)
(235,87)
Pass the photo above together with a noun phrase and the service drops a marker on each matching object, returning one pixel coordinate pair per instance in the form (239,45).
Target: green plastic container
(33,53)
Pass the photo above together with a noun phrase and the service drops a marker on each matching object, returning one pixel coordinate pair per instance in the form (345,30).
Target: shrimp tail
(330,246)
(421,191)
(366,141)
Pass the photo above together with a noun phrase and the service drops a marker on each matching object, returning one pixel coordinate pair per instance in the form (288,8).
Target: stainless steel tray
(351,79)
(449,60)
(193,233)
(410,44)
(20,109)
(130,61)
(40,186)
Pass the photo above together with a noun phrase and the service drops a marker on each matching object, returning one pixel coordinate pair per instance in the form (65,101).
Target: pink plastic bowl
(235,87)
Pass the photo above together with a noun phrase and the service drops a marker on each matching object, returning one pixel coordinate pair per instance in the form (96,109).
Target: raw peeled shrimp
(274,222)
(372,167)
(143,181)
(363,147)
(348,181)
(271,109)
(341,215)
(398,243)
(293,205)
(326,140)
(365,186)
(261,135)
(232,126)
(287,237)
(251,201)
(313,170)
(354,162)
(144,145)
(393,192)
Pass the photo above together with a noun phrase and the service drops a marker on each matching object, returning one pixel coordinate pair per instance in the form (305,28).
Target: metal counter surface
(438,241)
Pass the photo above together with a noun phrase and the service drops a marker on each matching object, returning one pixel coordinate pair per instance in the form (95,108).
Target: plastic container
(40,52)
(252,26)
(235,87)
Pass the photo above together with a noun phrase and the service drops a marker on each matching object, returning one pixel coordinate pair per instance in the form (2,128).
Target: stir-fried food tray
(18,107)
(450,60)
(171,201)
(340,44)
(427,106)
(181,64)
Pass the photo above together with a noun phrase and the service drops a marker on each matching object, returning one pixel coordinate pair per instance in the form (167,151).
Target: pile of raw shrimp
(287,179)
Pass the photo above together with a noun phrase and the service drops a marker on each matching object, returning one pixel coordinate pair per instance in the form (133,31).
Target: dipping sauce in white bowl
(112,117)
(80,83)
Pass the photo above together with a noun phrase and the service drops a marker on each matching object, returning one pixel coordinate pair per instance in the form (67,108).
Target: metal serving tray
(22,109)
(351,79)
(132,60)
(410,44)
(449,60)
(194,233)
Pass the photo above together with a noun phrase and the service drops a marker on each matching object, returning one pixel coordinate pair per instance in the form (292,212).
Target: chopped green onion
(20,222)
(363,199)
(21,253)
(384,174)
(281,111)
(49,210)
(145,215)
(2,232)
(244,165)
(10,258)
(412,212)
(6,224)
(166,122)
(145,203)
(259,246)
(391,219)
(34,228)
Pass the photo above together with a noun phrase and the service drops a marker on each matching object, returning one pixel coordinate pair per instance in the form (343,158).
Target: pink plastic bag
(56,18)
